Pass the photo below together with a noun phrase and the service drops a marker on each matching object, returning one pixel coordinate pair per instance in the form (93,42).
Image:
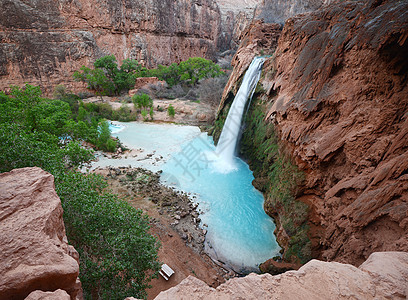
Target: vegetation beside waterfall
(278,178)
(107,78)
(118,257)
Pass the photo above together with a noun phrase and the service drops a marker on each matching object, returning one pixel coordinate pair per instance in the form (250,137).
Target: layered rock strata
(336,94)
(342,112)
(235,16)
(278,11)
(44,42)
(383,276)
(34,252)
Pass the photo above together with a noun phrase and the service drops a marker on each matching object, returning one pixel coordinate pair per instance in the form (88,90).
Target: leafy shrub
(142,101)
(124,114)
(281,181)
(144,114)
(118,257)
(151,112)
(107,78)
(171,111)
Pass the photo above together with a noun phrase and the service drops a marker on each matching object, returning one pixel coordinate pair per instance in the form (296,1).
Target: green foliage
(171,111)
(118,257)
(187,72)
(142,101)
(280,178)
(197,68)
(145,104)
(96,80)
(151,112)
(144,114)
(107,78)
(124,114)
(104,141)
(20,148)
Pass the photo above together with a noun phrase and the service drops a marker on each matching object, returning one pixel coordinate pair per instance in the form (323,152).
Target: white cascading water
(227,143)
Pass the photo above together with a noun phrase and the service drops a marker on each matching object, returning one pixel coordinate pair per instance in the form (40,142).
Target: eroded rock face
(342,111)
(337,96)
(235,16)
(383,276)
(44,42)
(256,37)
(34,253)
(278,11)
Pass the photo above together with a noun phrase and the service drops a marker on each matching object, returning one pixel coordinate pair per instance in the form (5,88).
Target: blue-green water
(240,233)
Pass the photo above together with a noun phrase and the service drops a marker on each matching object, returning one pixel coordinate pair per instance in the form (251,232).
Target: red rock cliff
(44,42)
(342,110)
(337,94)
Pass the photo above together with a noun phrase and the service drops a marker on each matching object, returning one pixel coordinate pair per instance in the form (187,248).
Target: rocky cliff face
(336,95)
(235,16)
(44,42)
(34,253)
(278,11)
(383,276)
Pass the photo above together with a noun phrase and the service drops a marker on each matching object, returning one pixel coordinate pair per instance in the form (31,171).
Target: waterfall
(230,132)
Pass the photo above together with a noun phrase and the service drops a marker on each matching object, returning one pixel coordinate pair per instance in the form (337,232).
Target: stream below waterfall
(239,233)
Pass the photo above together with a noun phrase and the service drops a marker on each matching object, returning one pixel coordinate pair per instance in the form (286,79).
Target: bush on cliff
(118,257)
(278,178)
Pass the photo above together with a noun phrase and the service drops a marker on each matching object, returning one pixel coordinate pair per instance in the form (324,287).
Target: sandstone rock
(40,295)
(341,110)
(337,97)
(235,16)
(34,253)
(45,42)
(383,276)
(257,36)
(278,11)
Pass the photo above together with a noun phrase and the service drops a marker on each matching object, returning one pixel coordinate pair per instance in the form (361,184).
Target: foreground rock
(34,253)
(383,276)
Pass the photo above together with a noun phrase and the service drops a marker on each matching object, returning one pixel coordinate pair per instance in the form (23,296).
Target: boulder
(383,276)
(40,295)
(34,252)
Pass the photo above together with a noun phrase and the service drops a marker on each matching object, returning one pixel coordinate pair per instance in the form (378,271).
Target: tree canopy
(118,257)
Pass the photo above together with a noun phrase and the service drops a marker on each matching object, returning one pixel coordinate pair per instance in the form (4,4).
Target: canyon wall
(235,16)
(35,257)
(44,42)
(335,93)
(278,11)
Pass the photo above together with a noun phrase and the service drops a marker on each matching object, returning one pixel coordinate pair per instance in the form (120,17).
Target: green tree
(171,111)
(142,101)
(118,257)
(96,81)
(197,68)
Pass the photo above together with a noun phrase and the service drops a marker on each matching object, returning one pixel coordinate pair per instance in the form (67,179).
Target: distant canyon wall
(236,15)
(336,94)
(44,42)
(278,11)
